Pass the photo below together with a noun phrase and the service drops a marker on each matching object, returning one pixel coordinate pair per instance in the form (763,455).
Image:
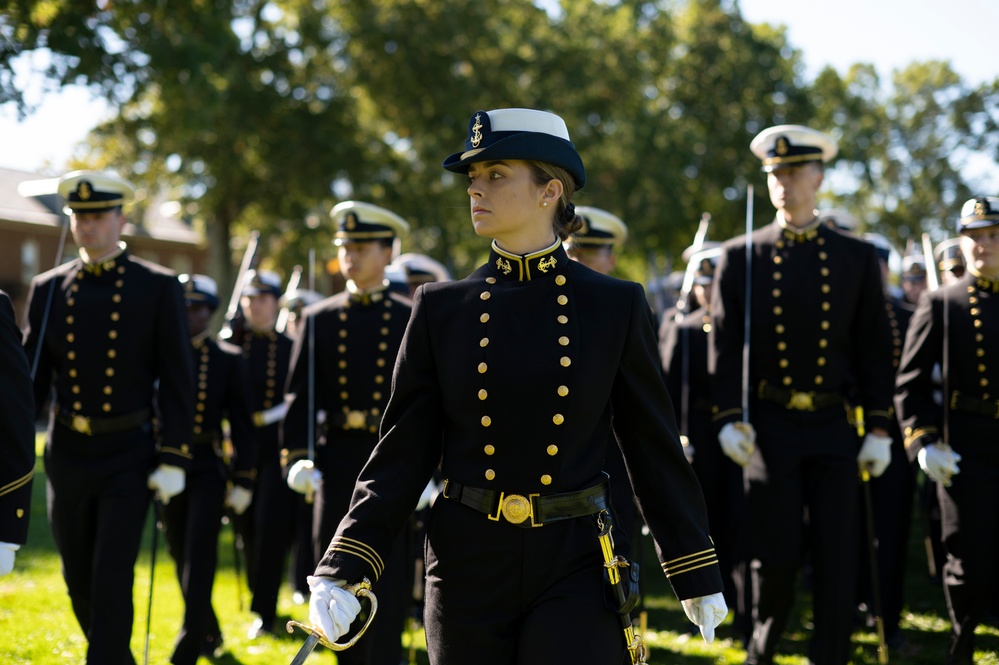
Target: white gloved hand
(688,449)
(706,612)
(238,498)
(429,492)
(7,551)
(167,481)
(303,476)
(331,607)
(738,440)
(875,454)
(939,462)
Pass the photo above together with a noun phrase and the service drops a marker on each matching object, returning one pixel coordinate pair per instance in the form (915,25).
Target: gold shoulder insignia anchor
(504,265)
(545,264)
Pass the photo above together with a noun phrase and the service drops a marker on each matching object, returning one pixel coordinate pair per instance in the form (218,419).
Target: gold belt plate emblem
(81,424)
(801,401)
(516,508)
(356,420)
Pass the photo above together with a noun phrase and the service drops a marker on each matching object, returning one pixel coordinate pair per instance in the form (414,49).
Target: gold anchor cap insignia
(84,190)
(351,221)
(476,133)
(783,146)
(982,207)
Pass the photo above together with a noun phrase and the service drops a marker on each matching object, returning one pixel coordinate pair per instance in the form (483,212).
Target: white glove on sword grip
(875,454)
(238,498)
(303,476)
(167,481)
(939,462)
(331,607)
(738,440)
(706,612)
(7,554)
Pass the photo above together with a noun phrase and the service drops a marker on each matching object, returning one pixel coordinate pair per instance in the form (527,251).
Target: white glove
(7,551)
(238,498)
(738,440)
(939,462)
(331,607)
(875,454)
(688,449)
(303,476)
(167,481)
(429,492)
(706,612)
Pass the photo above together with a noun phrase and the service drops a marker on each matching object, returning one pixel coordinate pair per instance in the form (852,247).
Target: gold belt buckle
(356,420)
(81,424)
(515,508)
(801,401)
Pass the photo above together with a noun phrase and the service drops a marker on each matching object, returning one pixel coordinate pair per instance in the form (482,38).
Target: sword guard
(362,590)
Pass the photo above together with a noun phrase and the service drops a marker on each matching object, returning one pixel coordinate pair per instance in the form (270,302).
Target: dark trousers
(274,505)
(803,466)
(969,510)
(97,506)
(193,520)
(498,594)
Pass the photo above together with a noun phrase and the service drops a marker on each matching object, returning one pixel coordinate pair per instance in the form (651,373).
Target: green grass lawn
(37,623)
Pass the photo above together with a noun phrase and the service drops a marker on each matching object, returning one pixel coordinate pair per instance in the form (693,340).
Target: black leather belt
(982,407)
(799,400)
(96,426)
(531,510)
(360,420)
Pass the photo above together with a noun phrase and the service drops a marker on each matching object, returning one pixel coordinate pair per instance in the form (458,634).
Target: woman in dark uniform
(507,380)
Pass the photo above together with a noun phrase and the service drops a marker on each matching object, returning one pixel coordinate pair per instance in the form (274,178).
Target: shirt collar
(525,267)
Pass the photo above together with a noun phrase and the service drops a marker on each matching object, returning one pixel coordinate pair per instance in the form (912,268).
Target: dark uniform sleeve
(17,431)
(668,493)
(873,366)
(37,300)
(400,466)
(726,338)
(918,414)
(175,371)
(237,410)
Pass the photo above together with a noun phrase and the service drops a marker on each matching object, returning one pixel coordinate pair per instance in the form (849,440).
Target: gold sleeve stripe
(178,452)
(17,484)
(687,570)
(360,550)
(686,557)
(882,414)
(728,412)
(917,434)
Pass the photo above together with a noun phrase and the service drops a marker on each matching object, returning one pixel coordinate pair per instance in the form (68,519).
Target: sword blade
(310,643)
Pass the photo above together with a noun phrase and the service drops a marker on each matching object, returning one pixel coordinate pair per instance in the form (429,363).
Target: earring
(544,204)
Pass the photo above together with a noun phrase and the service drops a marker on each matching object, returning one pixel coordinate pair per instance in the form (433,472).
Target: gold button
(777,276)
(564,341)
(778,310)
(984,382)
(783,362)
(484,318)
(72,372)
(978,323)
(560,279)
(79,274)
(70,338)
(70,301)
(342,333)
(113,334)
(342,380)
(823,256)
(562,300)
(489,449)
(376,395)
(74,288)
(778,260)
(563,391)
(484,342)
(77,406)
(344,395)
(821,241)
(787,380)
(486,421)
(106,407)
(824,271)
(109,371)
(341,348)
(107,390)
(558,419)
(69,320)
(200,406)
(379,379)
(818,380)
(821,361)
(387,316)
(826,288)
(380,362)
(384,331)
(490,280)
(484,295)
(121,270)
(112,354)
(563,319)
(826,306)
(823,343)
(343,316)
(482,368)
(781,346)
(116,298)
(75,390)
(71,355)
(202,395)
(483,394)
(825,326)
(776,293)
(780,328)
(980,352)
(382,346)
(342,364)
(115,316)
(490,474)
(981,367)
(553,450)
(565,361)
(546,479)
(779,244)
(978,337)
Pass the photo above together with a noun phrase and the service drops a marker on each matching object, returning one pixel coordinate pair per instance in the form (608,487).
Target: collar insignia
(545,264)
(504,265)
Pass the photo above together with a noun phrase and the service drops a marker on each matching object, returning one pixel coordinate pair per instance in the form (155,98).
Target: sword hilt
(362,590)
